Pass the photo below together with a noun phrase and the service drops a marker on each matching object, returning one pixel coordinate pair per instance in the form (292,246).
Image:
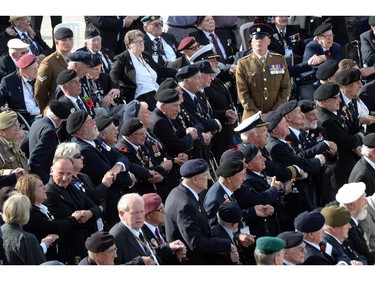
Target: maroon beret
(185,43)
(26,61)
(152,202)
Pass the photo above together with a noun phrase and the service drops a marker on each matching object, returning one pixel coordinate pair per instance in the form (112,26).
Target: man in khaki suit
(262,77)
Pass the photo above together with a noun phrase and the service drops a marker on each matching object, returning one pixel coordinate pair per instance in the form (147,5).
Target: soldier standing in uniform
(262,77)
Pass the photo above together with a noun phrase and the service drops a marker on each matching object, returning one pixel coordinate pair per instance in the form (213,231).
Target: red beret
(152,202)
(185,43)
(26,61)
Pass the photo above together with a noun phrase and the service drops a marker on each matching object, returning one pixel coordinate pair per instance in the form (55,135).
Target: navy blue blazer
(7,65)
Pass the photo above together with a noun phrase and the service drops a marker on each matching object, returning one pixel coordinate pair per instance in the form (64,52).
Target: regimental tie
(217,48)
(158,236)
(33,48)
(80,104)
(160,50)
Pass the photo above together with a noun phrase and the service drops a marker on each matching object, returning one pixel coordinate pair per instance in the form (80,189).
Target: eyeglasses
(328,36)
(193,48)
(157,24)
(77,156)
(138,41)
(140,133)
(161,210)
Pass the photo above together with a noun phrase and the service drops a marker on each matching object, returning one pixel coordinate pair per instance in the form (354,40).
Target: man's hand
(179,248)
(332,148)
(246,240)
(193,132)
(234,257)
(19,172)
(148,260)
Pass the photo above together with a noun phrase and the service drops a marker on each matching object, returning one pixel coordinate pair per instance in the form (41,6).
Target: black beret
(59,109)
(95,60)
(369,140)
(187,72)
(81,56)
(99,241)
(229,167)
(291,238)
(131,126)
(273,118)
(193,167)
(288,107)
(168,96)
(371,20)
(131,110)
(63,33)
(336,216)
(206,52)
(147,19)
(307,222)
(91,33)
(251,122)
(260,30)
(199,20)
(65,76)
(327,69)
(249,151)
(205,66)
(26,61)
(168,83)
(75,121)
(186,43)
(325,26)
(232,153)
(348,76)
(326,91)
(269,245)
(103,122)
(306,105)
(230,212)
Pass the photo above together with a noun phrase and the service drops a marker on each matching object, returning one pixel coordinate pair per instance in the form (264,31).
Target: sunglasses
(77,156)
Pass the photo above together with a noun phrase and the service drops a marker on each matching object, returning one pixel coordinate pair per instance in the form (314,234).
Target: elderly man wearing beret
(336,229)
(16,49)
(269,251)
(17,89)
(353,197)
(348,144)
(187,47)
(51,66)
(186,219)
(295,248)
(101,249)
(310,224)
(12,157)
(99,158)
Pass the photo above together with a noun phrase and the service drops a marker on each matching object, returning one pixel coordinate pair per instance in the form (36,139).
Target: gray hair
(365,150)
(131,35)
(16,209)
(126,200)
(67,149)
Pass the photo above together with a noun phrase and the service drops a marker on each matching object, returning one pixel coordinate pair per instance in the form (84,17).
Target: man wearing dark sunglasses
(160,45)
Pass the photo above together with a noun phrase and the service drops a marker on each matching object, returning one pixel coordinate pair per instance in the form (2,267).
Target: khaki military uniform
(11,157)
(45,85)
(262,87)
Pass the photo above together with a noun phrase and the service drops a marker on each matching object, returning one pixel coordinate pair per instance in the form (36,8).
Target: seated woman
(41,222)
(21,247)
(137,71)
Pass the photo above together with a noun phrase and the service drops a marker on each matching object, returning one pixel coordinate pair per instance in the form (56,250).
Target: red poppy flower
(89,103)
(123,150)
(289,143)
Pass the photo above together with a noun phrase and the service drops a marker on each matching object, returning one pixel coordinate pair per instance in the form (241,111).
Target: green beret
(336,216)
(131,126)
(269,245)
(7,119)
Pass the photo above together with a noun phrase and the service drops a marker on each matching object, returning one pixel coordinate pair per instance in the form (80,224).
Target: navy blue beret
(326,91)
(131,126)
(75,121)
(325,26)
(65,76)
(249,151)
(187,72)
(291,238)
(193,167)
(131,110)
(229,167)
(287,107)
(63,33)
(91,33)
(307,222)
(273,118)
(81,56)
(232,153)
(230,212)
(95,60)
(327,69)
(205,66)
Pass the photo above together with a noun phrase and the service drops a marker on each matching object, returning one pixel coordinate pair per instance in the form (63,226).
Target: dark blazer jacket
(124,71)
(62,202)
(359,243)
(97,162)
(368,47)
(186,219)
(108,56)
(364,172)
(338,250)
(7,65)
(221,259)
(315,256)
(168,38)
(42,141)
(179,62)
